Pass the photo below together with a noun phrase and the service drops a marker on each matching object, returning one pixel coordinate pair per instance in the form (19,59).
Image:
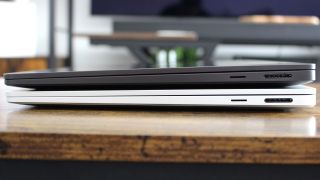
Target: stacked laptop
(263,84)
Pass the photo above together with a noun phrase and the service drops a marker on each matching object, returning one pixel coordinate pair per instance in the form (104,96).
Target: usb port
(278,100)
(238,100)
(237,77)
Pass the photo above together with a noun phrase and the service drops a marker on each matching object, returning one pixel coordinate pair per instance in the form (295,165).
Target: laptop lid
(225,75)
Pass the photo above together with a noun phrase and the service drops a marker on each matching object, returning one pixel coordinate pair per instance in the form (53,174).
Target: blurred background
(125,34)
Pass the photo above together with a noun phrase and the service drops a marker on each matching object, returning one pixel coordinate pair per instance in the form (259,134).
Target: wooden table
(136,142)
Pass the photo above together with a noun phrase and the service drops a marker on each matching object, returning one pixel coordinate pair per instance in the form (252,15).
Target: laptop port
(238,100)
(237,77)
(278,100)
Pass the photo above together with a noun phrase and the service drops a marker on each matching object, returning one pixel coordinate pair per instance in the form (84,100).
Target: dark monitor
(214,20)
(205,8)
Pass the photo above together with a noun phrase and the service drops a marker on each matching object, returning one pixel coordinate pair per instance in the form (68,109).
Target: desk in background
(138,42)
(114,143)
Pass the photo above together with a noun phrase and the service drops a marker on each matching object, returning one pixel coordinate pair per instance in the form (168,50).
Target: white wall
(43,27)
(18,29)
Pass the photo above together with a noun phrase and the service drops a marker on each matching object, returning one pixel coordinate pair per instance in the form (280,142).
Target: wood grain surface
(22,64)
(159,135)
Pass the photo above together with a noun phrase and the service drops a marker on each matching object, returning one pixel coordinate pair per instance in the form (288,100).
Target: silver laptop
(294,96)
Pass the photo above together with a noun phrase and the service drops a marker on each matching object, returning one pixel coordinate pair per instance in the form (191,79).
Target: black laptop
(266,74)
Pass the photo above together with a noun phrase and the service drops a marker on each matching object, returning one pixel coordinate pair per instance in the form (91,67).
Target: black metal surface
(51,63)
(69,60)
(52,170)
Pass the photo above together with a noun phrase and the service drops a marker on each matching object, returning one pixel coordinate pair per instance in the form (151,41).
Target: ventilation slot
(277,76)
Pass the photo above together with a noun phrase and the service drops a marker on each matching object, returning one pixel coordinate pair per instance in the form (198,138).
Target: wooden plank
(22,64)
(160,148)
